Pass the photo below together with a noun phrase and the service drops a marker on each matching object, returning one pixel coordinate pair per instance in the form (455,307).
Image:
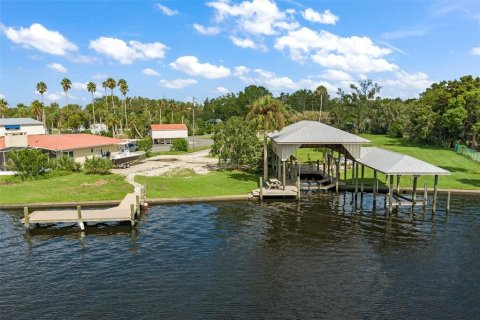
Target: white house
(166,132)
(28,126)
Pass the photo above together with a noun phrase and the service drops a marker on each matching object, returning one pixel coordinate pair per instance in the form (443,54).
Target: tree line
(445,113)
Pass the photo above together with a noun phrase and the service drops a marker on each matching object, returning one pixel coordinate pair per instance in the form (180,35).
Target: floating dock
(127,210)
(290,191)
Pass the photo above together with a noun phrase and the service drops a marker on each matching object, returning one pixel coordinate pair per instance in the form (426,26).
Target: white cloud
(150,72)
(40,38)
(100,76)
(177,83)
(240,70)
(2,96)
(128,53)
(246,43)
(416,82)
(222,90)
(208,31)
(256,17)
(414,31)
(336,75)
(57,67)
(79,85)
(354,54)
(54,97)
(475,51)
(191,66)
(313,16)
(167,10)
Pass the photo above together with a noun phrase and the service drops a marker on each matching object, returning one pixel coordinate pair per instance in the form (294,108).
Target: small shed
(167,132)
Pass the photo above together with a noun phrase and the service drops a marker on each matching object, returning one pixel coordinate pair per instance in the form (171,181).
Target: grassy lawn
(465,171)
(72,187)
(187,184)
(168,153)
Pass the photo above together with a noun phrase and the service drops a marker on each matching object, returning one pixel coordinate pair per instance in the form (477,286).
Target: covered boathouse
(349,149)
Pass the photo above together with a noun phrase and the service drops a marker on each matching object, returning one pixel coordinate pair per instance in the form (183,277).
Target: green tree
(3,107)
(235,143)
(92,87)
(267,113)
(122,83)
(322,93)
(111,84)
(29,163)
(36,108)
(42,88)
(66,85)
(146,145)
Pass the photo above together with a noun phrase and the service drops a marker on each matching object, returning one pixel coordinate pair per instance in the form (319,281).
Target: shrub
(65,164)
(97,165)
(30,163)
(145,145)
(179,145)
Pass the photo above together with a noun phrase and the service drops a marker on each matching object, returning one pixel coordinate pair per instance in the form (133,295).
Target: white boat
(126,155)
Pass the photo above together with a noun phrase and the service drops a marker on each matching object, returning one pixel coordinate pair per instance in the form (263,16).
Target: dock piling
(434,202)
(298,188)
(261,188)
(27,218)
(80,220)
(132,214)
(448,201)
(425,194)
(137,201)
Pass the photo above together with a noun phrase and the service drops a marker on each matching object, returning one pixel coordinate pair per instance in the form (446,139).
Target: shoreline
(238,197)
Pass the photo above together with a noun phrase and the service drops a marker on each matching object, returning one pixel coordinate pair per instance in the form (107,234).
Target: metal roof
(168,126)
(19,121)
(393,163)
(314,132)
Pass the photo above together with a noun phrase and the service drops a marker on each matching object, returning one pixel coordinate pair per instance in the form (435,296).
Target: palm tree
(42,88)
(66,85)
(321,92)
(3,107)
(105,85)
(92,87)
(111,84)
(267,113)
(122,83)
(36,109)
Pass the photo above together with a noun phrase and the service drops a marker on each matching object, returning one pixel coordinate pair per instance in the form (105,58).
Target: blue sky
(185,49)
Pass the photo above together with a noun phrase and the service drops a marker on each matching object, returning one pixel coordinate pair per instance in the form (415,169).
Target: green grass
(174,153)
(72,187)
(187,184)
(465,171)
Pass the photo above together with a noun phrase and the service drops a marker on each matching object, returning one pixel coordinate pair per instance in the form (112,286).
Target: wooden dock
(290,191)
(127,210)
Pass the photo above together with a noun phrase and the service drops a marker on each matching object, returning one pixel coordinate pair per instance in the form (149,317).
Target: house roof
(393,163)
(19,121)
(60,142)
(314,132)
(170,126)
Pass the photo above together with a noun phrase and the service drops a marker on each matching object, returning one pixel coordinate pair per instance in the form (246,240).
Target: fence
(475,155)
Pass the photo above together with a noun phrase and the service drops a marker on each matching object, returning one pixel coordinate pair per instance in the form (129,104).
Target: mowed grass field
(187,184)
(465,171)
(71,187)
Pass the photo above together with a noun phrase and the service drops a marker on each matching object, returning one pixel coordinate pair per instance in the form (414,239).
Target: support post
(356,179)
(132,214)
(390,194)
(425,193)
(137,201)
(261,189)
(448,201)
(363,176)
(414,190)
(284,180)
(329,160)
(298,188)
(374,184)
(337,174)
(398,184)
(318,165)
(434,204)
(345,169)
(26,217)
(80,220)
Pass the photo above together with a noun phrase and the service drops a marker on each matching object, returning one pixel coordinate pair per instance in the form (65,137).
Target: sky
(197,49)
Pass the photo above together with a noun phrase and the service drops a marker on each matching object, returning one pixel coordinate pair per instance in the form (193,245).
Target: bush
(179,145)
(97,165)
(65,164)
(145,145)
(30,163)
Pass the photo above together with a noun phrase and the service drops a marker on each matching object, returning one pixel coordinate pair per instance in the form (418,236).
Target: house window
(68,154)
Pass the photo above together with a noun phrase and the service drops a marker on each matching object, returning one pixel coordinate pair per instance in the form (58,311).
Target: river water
(320,258)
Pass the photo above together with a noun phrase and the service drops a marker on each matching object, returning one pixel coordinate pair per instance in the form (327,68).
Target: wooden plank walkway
(290,191)
(127,210)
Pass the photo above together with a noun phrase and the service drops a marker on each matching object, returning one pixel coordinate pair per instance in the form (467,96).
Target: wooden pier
(289,192)
(127,210)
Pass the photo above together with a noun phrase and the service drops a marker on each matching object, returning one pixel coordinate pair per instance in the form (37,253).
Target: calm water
(319,259)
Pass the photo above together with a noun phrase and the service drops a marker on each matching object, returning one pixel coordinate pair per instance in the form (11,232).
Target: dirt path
(159,165)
